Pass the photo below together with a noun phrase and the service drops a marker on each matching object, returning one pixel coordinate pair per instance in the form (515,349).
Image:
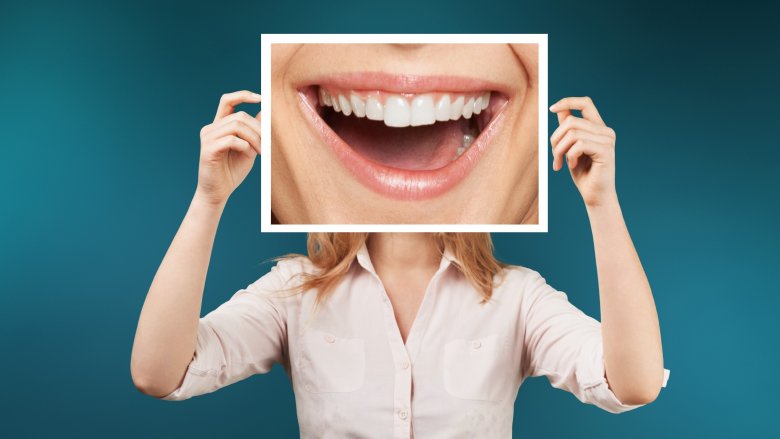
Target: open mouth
(401,138)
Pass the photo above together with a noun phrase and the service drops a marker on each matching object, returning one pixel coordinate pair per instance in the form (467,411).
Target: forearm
(166,336)
(632,341)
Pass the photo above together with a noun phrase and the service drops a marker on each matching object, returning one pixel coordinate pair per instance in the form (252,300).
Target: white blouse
(457,375)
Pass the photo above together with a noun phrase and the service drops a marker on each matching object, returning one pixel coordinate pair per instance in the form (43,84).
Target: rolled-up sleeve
(244,336)
(565,345)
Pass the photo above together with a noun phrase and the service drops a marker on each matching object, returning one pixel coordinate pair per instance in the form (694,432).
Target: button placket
(420,325)
(402,389)
(404,353)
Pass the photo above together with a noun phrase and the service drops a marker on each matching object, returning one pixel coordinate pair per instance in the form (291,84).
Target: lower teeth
(468,139)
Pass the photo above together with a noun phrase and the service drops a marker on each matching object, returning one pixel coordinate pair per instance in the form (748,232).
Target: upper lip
(400,183)
(406,83)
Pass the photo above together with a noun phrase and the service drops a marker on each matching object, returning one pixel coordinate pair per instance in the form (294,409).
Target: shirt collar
(364,259)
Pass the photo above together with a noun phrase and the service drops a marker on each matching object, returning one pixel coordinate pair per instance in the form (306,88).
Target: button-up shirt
(457,374)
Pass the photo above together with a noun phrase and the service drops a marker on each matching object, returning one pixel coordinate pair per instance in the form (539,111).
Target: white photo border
(266,40)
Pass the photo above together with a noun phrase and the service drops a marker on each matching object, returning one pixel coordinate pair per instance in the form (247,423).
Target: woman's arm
(166,335)
(632,340)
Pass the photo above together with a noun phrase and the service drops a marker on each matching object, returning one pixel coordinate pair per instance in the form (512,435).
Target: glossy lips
(407,103)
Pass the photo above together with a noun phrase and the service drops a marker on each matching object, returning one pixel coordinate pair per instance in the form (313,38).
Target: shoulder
(291,267)
(518,277)
(283,277)
(524,284)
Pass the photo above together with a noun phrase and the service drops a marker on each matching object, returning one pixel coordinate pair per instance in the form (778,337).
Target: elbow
(638,387)
(144,385)
(641,395)
(149,385)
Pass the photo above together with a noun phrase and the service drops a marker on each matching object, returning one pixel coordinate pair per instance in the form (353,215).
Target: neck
(403,250)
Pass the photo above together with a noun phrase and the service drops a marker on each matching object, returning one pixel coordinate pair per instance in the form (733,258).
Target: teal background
(100,108)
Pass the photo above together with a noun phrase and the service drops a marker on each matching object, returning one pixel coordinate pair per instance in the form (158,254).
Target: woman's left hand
(589,147)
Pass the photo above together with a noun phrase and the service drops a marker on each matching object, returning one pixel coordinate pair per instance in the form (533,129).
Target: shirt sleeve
(565,345)
(244,336)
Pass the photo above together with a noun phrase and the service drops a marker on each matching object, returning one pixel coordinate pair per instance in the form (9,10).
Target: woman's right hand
(228,147)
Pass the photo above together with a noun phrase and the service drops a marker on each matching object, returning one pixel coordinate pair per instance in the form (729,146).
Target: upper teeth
(399,111)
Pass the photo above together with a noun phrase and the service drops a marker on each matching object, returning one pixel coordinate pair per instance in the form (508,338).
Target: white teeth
(322,96)
(325,98)
(443,109)
(456,109)
(357,105)
(422,111)
(397,112)
(374,110)
(345,107)
(468,108)
(468,139)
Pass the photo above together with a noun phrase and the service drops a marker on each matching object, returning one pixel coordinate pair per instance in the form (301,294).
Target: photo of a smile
(378,134)
(413,140)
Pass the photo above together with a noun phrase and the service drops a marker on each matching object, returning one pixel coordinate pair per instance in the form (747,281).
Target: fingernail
(552,107)
(256,96)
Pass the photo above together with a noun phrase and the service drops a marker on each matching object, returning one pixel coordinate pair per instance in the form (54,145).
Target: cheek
(518,146)
(289,136)
(300,163)
(281,58)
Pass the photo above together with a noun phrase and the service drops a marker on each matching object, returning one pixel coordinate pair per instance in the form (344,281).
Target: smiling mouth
(405,137)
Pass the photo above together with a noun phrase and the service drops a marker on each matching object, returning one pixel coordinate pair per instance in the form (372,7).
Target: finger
(569,139)
(233,143)
(561,147)
(583,104)
(229,101)
(237,128)
(579,123)
(562,116)
(594,150)
(239,115)
(258,118)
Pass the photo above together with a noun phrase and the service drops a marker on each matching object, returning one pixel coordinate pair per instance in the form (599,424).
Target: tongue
(413,148)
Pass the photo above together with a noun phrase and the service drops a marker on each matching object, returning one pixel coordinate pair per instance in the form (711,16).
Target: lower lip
(404,184)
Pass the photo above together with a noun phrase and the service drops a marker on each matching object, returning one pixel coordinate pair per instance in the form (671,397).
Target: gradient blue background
(100,110)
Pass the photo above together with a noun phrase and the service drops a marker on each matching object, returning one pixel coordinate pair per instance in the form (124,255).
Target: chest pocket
(476,368)
(330,363)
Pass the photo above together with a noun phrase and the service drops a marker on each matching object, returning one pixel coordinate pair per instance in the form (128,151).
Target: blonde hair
(332,254)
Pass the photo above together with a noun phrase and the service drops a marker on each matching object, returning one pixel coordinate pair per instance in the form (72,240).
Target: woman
(402,335)
(420,133)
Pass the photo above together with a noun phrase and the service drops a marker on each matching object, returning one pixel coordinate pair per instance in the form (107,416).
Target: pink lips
(394,182)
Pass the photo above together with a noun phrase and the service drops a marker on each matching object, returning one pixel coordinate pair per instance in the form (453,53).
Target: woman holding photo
(402,335)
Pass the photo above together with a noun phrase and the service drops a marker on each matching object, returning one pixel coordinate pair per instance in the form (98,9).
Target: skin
(405,262)
(166,336)
(309,185)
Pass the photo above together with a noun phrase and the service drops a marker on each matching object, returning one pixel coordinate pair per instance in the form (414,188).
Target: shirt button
(403,414)
(405,365)
(476,344)
(330,339)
